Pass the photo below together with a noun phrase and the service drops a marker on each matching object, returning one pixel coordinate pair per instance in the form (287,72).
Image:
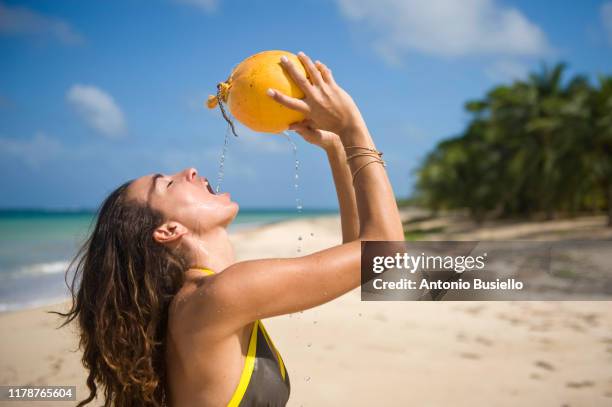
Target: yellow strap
(249,363)
(207,271)
(247,371)
(280,359)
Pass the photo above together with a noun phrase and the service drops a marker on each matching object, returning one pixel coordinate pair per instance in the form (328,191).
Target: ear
(169,232)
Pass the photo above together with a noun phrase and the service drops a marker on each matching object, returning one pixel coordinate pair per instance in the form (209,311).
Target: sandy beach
(353,353)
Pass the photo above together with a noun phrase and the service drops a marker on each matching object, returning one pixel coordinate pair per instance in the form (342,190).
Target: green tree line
(540,146)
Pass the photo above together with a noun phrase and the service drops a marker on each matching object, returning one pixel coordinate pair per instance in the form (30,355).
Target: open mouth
(210,189)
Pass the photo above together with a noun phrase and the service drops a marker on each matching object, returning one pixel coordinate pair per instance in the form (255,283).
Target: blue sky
(94,93)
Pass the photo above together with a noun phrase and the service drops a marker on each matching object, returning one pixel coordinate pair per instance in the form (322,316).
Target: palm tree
(600,157)
(536,145)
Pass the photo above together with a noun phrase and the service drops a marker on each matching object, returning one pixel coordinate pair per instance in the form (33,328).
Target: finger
(288,101)
(326,73)
(308,133)
(303,125)
(297,125)
(312,70)
(296,75)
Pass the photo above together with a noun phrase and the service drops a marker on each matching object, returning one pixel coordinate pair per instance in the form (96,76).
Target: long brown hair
(122,286)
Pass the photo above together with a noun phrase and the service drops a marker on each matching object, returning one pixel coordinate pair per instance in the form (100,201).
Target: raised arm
(257,289)
(349,216)
(332,144)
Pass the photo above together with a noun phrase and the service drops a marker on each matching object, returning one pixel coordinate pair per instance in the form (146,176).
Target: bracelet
(365,148)
(378,160)
(369,154)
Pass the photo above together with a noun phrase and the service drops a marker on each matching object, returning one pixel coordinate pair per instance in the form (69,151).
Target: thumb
(304,123)
(304,131)
(297,125)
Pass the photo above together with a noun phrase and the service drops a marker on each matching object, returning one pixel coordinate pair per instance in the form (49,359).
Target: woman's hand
(326,105)
(322,138)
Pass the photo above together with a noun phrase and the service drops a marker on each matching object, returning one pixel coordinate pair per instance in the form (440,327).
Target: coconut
(244,92)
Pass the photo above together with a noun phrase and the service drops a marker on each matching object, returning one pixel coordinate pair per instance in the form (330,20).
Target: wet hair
(122,287)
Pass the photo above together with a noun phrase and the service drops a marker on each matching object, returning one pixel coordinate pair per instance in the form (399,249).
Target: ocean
(36,248)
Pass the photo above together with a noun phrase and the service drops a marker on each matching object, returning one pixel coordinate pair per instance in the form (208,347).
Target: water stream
(296,184)
(296,174)
(222,159)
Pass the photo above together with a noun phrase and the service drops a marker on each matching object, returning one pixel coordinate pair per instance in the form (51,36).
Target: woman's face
(187,198)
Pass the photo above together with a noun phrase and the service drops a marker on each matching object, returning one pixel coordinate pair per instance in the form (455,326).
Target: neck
(212,251)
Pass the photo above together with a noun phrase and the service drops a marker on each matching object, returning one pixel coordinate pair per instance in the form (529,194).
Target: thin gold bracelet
(365,148)
(369,154)
(354,175)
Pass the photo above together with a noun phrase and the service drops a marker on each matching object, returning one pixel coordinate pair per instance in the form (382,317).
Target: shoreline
(237,229)
(449,227)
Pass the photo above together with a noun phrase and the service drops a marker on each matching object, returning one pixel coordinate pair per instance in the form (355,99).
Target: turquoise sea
(36,247)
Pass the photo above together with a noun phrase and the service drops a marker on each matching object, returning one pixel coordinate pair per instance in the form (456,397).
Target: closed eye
(170,183)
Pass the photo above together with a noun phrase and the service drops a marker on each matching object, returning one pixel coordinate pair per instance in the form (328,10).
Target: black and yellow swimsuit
(264,380)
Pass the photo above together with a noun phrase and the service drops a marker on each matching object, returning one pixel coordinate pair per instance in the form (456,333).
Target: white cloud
(34,151)
(98,109)
(16,20)
(207,6)
(506,70)
(446,27)
(606,19)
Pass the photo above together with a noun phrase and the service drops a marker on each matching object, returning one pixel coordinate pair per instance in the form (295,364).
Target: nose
(191,173)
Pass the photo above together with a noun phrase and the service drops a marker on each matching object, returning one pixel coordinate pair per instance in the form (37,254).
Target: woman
(166,314)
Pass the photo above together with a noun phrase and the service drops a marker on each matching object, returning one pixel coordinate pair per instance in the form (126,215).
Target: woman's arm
(330,108)
(349,217)
(331,143)
(257,289)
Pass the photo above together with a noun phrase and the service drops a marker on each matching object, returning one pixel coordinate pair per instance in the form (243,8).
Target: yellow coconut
(244,92)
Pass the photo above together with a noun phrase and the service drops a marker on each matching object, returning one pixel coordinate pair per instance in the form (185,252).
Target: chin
(233,210)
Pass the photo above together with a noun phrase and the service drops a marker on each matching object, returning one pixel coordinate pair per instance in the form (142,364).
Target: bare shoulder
(263,288)
(189,311)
